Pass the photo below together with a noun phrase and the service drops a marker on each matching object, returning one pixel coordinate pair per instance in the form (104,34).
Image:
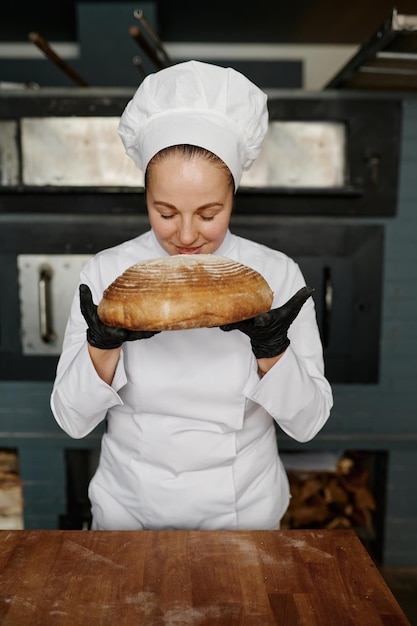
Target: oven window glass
(9,153)
(76,152)
(300,155)
(87,152)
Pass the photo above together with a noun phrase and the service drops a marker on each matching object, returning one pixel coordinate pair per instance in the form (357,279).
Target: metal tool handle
(45,304)
(44,46)
(143,43)
(139,15)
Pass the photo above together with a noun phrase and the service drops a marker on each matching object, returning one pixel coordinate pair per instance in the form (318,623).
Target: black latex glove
(98,334)
(268,331)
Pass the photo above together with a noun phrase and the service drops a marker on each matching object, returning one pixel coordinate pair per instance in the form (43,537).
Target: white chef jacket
(190,440)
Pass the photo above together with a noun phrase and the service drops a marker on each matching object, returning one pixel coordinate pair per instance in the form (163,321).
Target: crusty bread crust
(184,291)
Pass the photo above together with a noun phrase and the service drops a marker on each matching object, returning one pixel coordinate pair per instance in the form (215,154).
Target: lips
(189,250)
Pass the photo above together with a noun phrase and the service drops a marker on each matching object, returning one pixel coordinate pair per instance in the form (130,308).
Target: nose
(188,232)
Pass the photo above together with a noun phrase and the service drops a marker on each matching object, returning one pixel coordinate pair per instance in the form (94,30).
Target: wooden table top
(176,578)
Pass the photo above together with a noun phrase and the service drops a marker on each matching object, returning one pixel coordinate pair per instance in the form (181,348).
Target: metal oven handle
(327,305)
(45,304)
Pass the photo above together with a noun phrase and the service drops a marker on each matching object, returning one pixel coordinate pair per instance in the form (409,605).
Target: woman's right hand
(98,334)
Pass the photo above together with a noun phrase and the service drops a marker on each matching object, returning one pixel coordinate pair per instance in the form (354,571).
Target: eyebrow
(168,205)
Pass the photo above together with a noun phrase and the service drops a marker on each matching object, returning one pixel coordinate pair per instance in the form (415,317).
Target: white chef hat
(200,104)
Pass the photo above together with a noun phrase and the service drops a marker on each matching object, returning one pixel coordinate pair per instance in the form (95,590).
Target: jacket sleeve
(295,391)
(80,398)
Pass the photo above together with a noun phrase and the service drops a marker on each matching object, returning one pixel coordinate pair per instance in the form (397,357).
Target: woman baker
(190,440)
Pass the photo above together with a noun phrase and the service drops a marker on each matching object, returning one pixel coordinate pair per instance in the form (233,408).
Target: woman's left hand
(268,331)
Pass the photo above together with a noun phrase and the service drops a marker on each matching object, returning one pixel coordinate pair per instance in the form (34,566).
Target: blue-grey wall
(384,416)
(392,405)
(369,417)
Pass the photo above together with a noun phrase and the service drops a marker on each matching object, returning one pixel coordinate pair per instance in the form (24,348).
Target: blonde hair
(188,151)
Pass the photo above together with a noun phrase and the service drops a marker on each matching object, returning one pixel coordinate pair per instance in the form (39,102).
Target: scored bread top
(184,291)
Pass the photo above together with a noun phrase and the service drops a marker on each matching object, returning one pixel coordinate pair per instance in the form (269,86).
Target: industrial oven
(328,171)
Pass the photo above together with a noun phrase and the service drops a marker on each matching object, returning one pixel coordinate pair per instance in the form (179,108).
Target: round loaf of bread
(184,291)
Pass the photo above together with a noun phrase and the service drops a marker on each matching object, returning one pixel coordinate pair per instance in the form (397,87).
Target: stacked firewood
(11,500)
(333,500)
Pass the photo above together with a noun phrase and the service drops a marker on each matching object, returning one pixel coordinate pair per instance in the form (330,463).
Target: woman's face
(190,201)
